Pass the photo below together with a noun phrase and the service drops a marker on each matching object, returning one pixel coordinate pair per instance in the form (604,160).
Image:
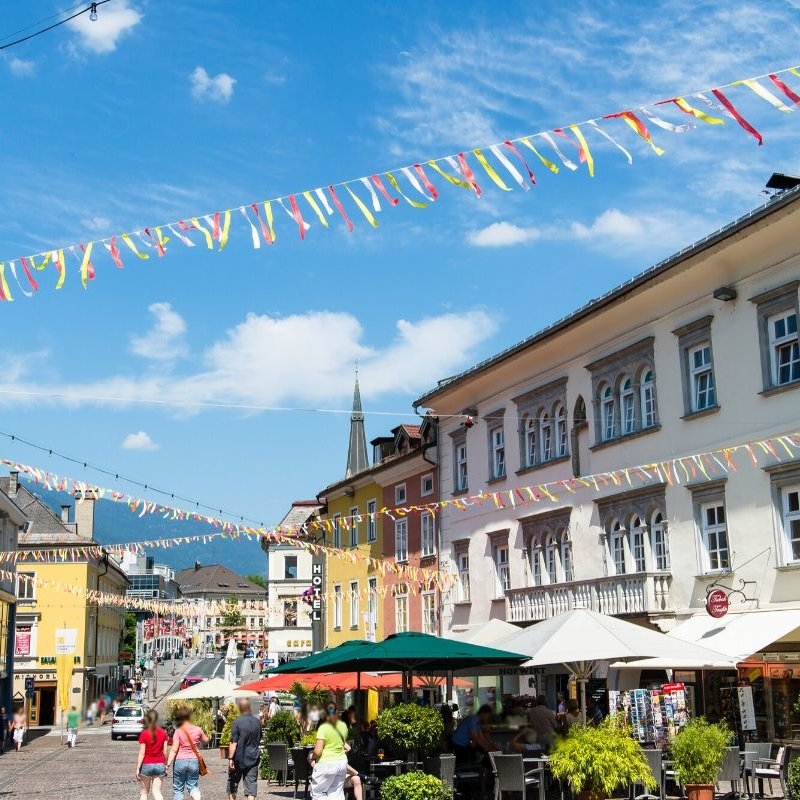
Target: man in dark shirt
(244,752)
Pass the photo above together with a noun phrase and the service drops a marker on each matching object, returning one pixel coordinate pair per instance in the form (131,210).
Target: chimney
(13,483)
(196,566)
(84,515)
(65,513)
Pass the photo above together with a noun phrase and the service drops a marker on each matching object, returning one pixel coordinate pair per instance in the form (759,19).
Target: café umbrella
(213,689)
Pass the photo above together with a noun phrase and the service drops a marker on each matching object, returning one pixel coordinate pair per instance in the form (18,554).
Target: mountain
(114,523)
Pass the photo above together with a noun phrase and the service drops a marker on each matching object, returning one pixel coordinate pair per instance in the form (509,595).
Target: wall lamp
(725,293)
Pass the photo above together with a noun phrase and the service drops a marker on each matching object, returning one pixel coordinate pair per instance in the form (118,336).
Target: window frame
(608,412)
(423,492)
(354,532)
(372,604)
(637,544)
(627,406)
(530,404)
(535,559)
(545,437)
(647,394)
(372,522)
(355,606)
(462,569)
(401,525)
(30,592)
(337,530)
(562,431)
(696,375)
(713,497)
(777,343)
(401,601)
(428,620)
(286,575)
(497,452)
(656,528)
(337,606)
(502,568)
(460,461)
(429,518)
(770,304)
(565,547)
(692,336)
(616,547)
(531,441)
(400,494)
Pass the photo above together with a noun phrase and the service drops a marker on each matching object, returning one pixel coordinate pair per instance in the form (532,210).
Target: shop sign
(717,603)
(22,641)
(66,641)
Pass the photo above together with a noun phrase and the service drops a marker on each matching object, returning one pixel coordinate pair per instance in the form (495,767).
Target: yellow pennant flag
(450,178)
(313,203)
(549,164)
(128,241)
(226,229)
(268,215)
(490,171)
(362,208)
(582,139)
(205,232)
(696,112)
(4,283)
(391,178)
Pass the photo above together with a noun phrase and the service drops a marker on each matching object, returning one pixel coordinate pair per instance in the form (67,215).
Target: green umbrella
(314,662)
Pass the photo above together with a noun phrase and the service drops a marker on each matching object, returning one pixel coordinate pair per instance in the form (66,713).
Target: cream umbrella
(213,689)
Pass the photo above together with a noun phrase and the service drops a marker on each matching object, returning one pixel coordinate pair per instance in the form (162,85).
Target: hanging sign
(717,603)
(747,713)
(66,641)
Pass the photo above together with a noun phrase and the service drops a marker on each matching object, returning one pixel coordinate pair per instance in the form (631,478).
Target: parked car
(128,721)
(210,654)
(191,680)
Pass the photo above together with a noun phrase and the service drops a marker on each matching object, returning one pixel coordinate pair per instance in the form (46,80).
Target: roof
(357,457)
(411,430)
(215,579)
(774,204)
(300,512)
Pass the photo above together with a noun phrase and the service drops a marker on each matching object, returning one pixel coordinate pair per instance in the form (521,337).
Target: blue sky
(161,110)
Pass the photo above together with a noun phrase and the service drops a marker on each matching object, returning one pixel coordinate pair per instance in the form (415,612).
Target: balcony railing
(642,593)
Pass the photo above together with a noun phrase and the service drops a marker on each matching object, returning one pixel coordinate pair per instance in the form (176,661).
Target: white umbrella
(231,656)
(580,638)
(212,689)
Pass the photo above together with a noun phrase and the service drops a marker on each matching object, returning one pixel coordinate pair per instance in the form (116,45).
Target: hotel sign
(317,588)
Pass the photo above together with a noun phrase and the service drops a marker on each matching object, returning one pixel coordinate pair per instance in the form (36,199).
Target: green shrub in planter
(409,728)
(414,786)
(202,714)
(698,750)
(280,727)
(793,781)
(601,759)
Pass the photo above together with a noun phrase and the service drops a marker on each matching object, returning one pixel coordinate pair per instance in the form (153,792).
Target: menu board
(653,714)
(747,713)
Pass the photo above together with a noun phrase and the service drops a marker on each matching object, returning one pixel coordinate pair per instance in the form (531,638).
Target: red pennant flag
(114,250)
(737,116)
(516,152)
(428,185)
(340,208)
(264,229)
(298,216)
(215,233)
(382,189)
(467,172)
(31,280)
(785,89)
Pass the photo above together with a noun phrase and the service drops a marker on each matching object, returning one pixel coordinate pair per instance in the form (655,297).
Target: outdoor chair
(769,770)
(754,751)
(279,763)
(443,767)
(668,774)
(510,776)
(731,769)
(653,757)
(301,770)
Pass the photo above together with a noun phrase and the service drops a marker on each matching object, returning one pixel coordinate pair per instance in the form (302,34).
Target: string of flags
(503,163)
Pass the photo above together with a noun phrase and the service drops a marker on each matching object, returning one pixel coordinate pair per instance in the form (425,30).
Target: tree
(232,619)
(258,580)
(129,634)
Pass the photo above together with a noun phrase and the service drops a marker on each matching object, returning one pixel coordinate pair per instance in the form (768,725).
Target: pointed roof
(357,460)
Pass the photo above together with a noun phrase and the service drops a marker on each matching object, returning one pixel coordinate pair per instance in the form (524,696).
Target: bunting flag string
(416,188)
(698,466)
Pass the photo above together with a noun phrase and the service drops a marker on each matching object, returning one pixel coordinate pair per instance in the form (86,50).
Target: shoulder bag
(203,769)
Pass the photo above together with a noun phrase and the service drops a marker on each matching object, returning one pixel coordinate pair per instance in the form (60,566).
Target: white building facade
(697,353)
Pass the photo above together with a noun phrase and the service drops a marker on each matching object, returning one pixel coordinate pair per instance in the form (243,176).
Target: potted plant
(409,728)
(231,712)
(698,750)
(414,786)
(597,760)
(280,727)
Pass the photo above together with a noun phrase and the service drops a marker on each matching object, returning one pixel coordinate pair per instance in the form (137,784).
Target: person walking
(243,752)
(72,727)
(19,726)
(102,707)
(184,755)
(151,765)
(330,758)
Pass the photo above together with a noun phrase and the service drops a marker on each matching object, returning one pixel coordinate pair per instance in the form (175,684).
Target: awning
(737,636)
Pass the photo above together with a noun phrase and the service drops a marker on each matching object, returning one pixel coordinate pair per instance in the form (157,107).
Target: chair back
(653,757)
(730,769)
(302,769)
(787,760)
(447,770)
(764,749)
(510,773)
(278,756)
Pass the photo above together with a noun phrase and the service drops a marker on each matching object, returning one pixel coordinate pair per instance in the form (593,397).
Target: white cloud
(303,359)
(139,441)
(20,67)
(165,341)
(502,234)
(274,78)
(114,21)
(97,224)
(204,87)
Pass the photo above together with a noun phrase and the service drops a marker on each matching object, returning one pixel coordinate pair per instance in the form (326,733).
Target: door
(47,705)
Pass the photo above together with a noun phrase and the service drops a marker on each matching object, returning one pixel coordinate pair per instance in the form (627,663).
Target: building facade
(11,520)
(44,607)
(697,353)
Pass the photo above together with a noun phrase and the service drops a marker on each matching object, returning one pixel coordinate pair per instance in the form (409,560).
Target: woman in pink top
(185,743)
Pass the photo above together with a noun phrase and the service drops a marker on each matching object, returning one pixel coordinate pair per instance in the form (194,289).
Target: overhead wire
(90,8)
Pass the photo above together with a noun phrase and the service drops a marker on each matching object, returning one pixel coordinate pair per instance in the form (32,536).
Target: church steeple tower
(357,460)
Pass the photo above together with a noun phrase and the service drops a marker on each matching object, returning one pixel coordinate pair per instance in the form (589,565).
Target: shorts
(153,770)
(248,774)
(18,734)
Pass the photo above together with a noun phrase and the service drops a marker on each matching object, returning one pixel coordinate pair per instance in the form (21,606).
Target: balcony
(617,595)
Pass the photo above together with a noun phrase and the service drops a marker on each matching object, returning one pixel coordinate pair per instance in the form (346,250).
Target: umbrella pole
(448,697)
(582,682)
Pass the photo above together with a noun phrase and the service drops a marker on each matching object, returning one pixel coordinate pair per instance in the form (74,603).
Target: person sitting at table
(572,717)
(594,714)
(544,722)
(526,741)
(470,743)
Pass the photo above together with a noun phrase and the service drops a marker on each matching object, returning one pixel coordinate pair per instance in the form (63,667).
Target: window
(637,545)
(536,563)
(354,610)
(608,412)
(399,494)
(372,608)
(658,542)
(337,606)
(715,536)
(290,568)
(561,432)
(401,540)
(790,497)
(426,485)
(566,555)
(502,570)
(354,520)
(290,613)
(372,534)
(616,545)
(628,409)
(401,611)
(428,525)
(648,392)
(551,562)
(530,442)
(429,612)
(545,436)
(498,453)
(701,378)
(784,349)
(26,587)
(461,467)
(337,530)
(462,564)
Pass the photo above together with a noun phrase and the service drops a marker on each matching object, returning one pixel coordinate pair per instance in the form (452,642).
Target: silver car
(128,721)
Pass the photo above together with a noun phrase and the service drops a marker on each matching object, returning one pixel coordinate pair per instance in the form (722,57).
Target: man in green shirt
(72,727)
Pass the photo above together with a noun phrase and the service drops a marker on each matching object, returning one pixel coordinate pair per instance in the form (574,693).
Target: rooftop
(215,579)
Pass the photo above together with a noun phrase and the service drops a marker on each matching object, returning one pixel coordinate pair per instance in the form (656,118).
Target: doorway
(46,705)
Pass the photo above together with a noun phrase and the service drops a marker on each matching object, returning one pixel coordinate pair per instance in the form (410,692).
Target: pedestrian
(184,755)
(19,727)
(330,758)
(91,712)
(145,686)
(73,718)
(243,752)
(274,707)
(102,706)
(561,703)
(3,728)
(594,714)
(151,765)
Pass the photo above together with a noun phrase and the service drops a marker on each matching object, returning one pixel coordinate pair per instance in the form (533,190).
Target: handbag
(202,768)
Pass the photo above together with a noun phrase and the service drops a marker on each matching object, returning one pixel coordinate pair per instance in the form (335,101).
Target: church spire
(357,460)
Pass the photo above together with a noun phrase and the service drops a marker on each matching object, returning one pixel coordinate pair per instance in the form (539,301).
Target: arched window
(561,431)
(648,391)
(566,555)
(545,436)
(530,442)
(637,543)
(659,542)
(551,560)
(608,413)
(616,546)
(536,562)
(627,406)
